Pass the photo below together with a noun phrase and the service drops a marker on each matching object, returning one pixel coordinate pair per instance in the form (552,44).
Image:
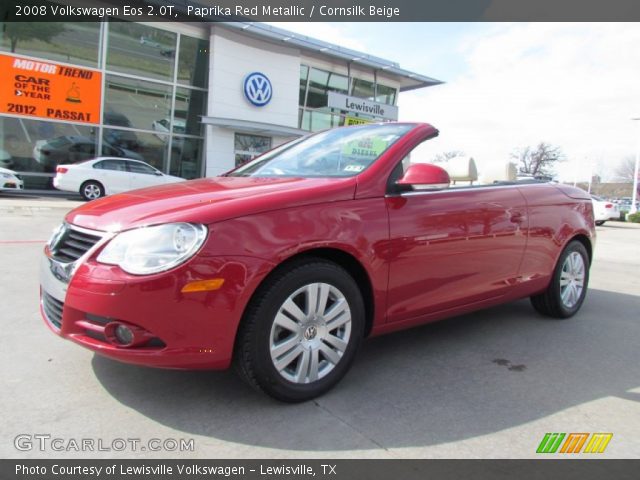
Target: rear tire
(568,287)
(301,331)
(91,190)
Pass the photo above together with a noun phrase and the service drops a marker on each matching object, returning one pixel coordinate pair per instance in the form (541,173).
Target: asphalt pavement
(484,385)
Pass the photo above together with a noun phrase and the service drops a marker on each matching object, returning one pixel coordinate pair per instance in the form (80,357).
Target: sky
(511,85)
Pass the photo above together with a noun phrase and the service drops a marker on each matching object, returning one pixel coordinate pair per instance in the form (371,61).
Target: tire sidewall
(266,373)
(578,247)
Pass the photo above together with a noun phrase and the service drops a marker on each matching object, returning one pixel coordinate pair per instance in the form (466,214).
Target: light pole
(634,195)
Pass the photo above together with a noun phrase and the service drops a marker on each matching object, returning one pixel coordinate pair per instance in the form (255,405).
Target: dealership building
(191,99)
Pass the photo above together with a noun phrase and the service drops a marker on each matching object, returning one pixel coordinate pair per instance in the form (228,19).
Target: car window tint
(117,165)
(136,167)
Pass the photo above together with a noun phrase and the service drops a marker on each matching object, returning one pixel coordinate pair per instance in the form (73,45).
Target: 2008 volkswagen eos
(285,264)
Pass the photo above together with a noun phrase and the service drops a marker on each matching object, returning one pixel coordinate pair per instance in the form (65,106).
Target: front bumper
(79,301)
(11,184)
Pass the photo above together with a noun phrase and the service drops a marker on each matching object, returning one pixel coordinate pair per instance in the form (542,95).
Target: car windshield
(343,152)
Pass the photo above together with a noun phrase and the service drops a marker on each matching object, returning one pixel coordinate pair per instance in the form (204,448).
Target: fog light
(126,335)
(123,334)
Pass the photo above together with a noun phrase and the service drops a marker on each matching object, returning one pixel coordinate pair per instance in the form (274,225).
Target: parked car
(105,176)
(162,125)
(74,149)
(283,265)
(10,180)
(604,210)
(120,138)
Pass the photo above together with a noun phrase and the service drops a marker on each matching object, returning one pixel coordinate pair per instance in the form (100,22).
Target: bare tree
(539,160)
(444,156)
(626,169)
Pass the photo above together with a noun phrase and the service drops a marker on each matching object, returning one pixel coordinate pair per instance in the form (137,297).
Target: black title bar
(320,10)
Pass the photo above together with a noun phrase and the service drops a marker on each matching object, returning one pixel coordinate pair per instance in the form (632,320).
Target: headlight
(154,249)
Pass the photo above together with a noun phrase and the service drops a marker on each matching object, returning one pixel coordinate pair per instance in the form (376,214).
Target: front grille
(52,309)
(73,244)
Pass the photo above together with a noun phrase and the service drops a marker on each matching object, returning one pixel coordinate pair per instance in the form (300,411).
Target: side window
(136,167)
(116,165)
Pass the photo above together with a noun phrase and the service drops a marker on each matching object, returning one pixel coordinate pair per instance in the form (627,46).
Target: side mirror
(425,176)
(158,173)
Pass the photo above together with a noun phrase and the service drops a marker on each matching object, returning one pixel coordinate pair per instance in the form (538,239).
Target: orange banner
(49,90)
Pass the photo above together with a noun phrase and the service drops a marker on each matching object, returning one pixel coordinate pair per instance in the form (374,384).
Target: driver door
(453,247)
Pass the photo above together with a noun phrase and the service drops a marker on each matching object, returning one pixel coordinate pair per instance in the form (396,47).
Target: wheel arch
(586,242)
(93,180)
(342,258)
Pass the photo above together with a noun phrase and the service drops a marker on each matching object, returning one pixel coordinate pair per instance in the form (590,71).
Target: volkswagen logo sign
(257,89)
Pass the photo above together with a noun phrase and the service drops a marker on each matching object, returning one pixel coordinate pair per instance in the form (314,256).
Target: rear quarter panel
(554,219)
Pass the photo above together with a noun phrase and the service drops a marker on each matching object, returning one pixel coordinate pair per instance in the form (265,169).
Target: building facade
(190,99)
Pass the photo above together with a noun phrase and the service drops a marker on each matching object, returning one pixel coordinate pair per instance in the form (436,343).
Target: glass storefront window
(362,89)
(248,147)
(141,50)
(317,120)
(67,42)
(37,147)
(386,95)
(189,108)
(304,75)
(135,103)
(148,147)
(193,61)
(320,83)
(186,157)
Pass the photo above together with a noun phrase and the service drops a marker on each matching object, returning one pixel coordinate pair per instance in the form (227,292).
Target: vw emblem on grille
(257,89)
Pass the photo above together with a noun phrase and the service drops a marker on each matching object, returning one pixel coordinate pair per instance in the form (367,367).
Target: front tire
(301,331)
(91,190)
(600,222)
(566,292)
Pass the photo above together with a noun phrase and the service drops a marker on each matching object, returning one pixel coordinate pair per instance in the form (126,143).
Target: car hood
(207,201)
(6,170)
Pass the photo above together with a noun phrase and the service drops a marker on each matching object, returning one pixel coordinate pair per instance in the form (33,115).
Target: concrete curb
(30,207)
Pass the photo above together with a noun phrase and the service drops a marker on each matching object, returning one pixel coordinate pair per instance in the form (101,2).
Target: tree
(444,156)
(43,31)
(539,160)
(626,169)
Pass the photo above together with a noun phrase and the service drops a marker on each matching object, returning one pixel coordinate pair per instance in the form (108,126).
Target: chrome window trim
(459,189)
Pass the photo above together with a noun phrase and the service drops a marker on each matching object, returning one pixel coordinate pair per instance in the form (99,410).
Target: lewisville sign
(361,105)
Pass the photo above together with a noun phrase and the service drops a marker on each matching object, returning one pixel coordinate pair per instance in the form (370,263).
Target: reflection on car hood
(6,170)
(207,200)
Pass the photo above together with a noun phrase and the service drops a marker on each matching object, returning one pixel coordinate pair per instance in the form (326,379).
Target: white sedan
(105,176)
(603,210)
(10,180)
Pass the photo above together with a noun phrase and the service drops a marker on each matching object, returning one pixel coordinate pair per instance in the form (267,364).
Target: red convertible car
(285,264)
